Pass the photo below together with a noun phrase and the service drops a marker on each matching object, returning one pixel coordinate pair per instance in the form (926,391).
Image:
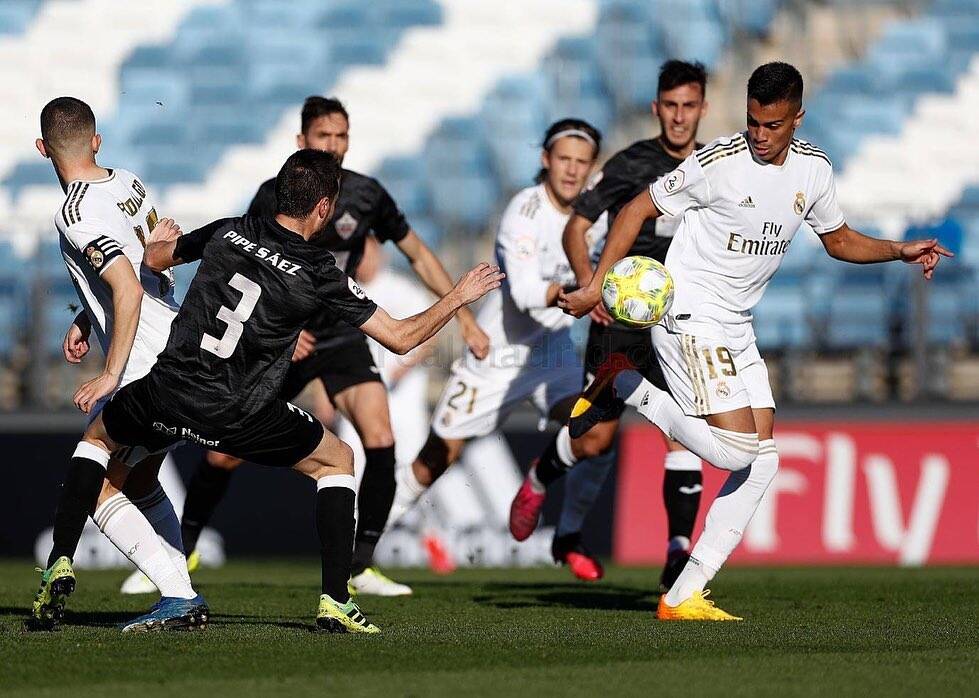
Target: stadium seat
(856,313)
(782,318)
(16,16)
(403,179)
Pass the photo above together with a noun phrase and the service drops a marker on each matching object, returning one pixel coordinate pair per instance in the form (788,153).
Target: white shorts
(479,396)
(713,369)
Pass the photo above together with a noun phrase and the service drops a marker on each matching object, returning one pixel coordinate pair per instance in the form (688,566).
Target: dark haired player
(102,227)
(533,358)
(745,197)
(218,381)
(337,353)
(679,105)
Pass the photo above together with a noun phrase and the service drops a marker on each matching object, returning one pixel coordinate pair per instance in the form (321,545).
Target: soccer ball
(637,291)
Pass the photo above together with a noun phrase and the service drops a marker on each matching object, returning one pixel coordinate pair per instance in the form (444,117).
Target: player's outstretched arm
(401,336)
(575,243)
(431,272)
(127,297)
(848,245)
(620,240)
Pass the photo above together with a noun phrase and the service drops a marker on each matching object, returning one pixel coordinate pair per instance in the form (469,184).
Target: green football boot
(57,584)
(336,617)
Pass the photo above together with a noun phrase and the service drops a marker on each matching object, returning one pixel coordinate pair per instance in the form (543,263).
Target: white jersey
(739,216)
(529,250)
(102,223)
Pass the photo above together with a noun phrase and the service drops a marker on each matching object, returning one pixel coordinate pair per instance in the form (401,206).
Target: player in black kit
(679,105)
(217,382)
(336,352)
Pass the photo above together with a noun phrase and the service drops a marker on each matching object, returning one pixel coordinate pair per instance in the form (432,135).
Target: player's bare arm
(620,240)
(401,336)
(127,296)
(75,345)
(575,244)
(431,272)
(848,245)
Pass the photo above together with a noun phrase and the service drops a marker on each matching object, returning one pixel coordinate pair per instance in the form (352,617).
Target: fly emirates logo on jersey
(274,259)
(769,244)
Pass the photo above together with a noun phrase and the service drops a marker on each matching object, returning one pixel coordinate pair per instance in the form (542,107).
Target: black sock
(335,526)
(79,497)
(374,504)
(207,488)
(550,467)
(681,507)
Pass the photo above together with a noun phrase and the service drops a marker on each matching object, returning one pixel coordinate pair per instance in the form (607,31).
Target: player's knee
(377,436)
(592,444)
(220,460)
(736,450)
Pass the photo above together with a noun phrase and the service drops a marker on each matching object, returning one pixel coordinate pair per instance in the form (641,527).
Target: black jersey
(363,206)
(624,176)
(231,343)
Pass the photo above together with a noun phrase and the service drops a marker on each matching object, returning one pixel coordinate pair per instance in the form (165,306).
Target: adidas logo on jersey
(747,203)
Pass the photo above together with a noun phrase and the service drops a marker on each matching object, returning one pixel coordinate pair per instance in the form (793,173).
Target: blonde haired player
(532,357)
(742,200)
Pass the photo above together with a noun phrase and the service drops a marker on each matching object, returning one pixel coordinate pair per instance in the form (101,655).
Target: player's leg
(741,494)
(145,491)
(130,531)
(282,435)
(682,486)
(86,486)
(415,478)
(207,488)
(366,406)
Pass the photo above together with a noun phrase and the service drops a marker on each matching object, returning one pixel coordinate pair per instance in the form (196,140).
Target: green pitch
(512,633)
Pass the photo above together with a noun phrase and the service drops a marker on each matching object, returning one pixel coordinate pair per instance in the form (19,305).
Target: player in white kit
(532,357)
(742,200)
(103,226)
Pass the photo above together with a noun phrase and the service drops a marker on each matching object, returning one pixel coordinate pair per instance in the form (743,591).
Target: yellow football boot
(697,607)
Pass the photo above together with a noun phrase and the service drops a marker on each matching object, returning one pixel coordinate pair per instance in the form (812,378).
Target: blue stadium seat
(29,173)
(183,274)
(428,230)
(466,199)
(16,16)
(701,40)
(781,319)
(408,13)
(856,311)
(404,180)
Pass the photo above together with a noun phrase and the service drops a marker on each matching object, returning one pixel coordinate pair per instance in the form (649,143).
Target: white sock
(127,528)
(158,510)
(727,518)
(693,578)
(734,506)
(406,493)
(682,460)
(582,486)
(725,449)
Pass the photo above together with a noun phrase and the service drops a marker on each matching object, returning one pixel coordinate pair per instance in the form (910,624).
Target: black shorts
(340,367)
(279,434)
(636,344)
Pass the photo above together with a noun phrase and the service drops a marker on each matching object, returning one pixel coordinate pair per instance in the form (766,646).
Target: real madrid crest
(95,256)
(346,225)
(800,203)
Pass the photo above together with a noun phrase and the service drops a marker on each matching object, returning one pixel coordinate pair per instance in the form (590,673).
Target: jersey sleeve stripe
(723,154)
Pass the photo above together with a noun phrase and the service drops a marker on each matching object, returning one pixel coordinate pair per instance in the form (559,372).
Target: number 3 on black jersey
(224,346)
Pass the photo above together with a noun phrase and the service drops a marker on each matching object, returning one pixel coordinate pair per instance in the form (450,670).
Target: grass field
(503,632)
